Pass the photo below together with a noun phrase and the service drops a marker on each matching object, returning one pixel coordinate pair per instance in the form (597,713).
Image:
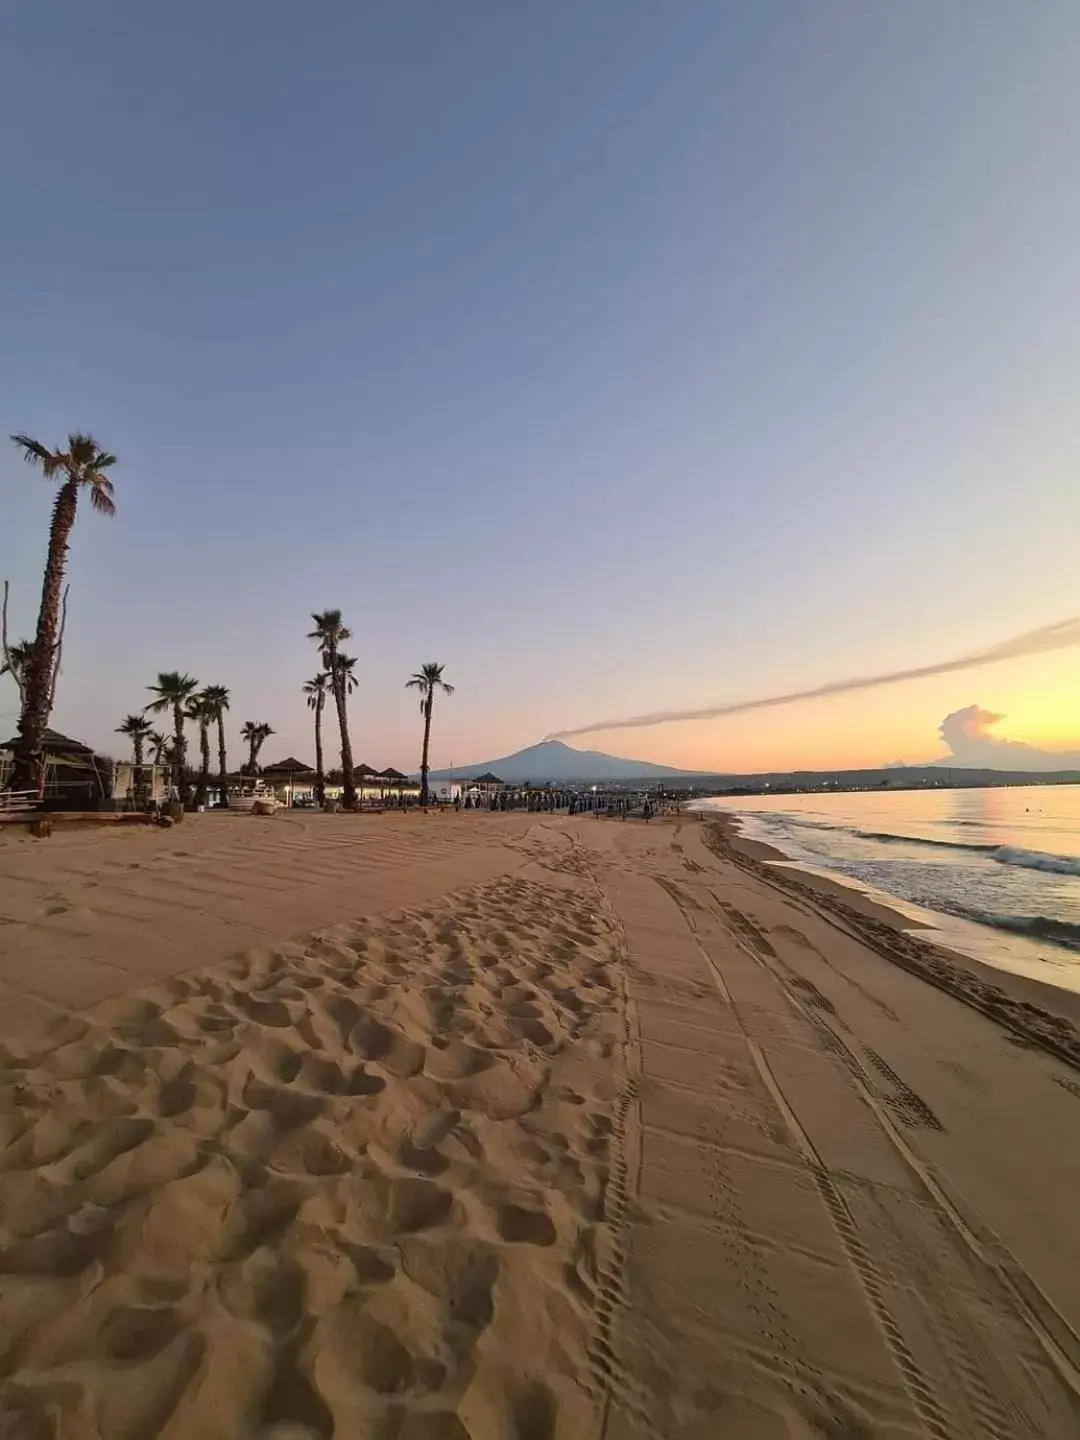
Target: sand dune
(550,1131)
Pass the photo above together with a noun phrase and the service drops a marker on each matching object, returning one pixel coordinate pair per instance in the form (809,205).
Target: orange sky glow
(1039,699)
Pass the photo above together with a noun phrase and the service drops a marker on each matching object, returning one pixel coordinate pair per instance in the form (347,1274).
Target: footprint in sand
(258,1218)
(456,1060)
(287,1108)
(518,1226)
(386,1046)
(412,1205)
(311,1151)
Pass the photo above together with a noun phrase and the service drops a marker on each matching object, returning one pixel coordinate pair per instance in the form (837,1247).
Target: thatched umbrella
(391,778)
(288,766)
(363,774)
(288,770)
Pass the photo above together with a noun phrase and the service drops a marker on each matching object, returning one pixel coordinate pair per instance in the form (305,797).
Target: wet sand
(438,1127)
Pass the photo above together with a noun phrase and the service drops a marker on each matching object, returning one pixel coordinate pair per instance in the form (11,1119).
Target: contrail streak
(1035,642)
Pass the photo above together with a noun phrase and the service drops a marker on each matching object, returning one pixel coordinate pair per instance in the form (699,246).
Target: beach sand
(428,1128)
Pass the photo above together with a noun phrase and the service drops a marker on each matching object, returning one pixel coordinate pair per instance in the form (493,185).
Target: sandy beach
(470,1127)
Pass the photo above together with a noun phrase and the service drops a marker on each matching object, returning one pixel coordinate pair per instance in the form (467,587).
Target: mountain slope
(552,760)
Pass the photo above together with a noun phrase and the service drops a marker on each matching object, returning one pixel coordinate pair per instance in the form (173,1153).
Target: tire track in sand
(991,1393)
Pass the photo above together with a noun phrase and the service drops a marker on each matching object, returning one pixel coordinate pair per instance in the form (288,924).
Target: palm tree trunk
(320,778)
(427,741)
(180,780)
(348,779)
(223,770)
(139,782)
(29,772)
(204,769)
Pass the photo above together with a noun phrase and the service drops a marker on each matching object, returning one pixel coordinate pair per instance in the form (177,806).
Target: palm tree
(427,680)
(203,713)
(255,734)
(329,634)
(217,698)
(158,744)
(315,690)
(137,728)
(347,683)
(83,463)
(17,663)
(173,691)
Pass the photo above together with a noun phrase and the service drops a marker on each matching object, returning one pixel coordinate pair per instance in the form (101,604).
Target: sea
(995,872)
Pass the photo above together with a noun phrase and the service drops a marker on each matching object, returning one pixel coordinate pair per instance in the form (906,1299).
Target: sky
(621,356)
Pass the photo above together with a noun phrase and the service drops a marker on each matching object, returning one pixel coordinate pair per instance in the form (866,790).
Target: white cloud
(967,733)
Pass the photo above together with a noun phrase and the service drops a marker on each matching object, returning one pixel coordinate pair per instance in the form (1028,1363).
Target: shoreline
(1020,1002)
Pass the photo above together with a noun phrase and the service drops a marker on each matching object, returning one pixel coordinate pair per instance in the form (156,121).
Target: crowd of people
(617,805)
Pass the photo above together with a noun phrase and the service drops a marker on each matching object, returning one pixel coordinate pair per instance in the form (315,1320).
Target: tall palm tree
(82,464)
(315,689)
(217,698)
(158,743)
(255,734)
(17,664)
(173,691)
(203,713)
(137,729)
(427,680)
(347,683)
(329,634)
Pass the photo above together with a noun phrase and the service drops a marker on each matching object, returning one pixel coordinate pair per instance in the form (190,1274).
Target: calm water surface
(997,872)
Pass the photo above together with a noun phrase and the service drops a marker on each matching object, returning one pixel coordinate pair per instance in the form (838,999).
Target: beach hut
(368,781)
(290,779)
(483,787)
(56,747)
(75,777)
(489,782)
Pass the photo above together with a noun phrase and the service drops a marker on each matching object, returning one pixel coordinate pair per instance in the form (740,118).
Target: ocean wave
(890,839)
(1038,927)
(1002,854)
(1037,860)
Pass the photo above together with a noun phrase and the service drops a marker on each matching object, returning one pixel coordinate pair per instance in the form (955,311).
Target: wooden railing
(14,803)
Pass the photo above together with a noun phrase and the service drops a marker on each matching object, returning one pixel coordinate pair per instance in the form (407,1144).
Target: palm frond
(429,679)
(34,453)
(329,629)
(346,668)
(217,697)
(134,725)
(172,688)
(101,500)
(83,449)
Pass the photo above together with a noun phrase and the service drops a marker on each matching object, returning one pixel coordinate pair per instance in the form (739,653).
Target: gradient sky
(623,356)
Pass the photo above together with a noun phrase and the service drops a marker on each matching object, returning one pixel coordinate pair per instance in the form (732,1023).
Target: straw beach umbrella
(288,771)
